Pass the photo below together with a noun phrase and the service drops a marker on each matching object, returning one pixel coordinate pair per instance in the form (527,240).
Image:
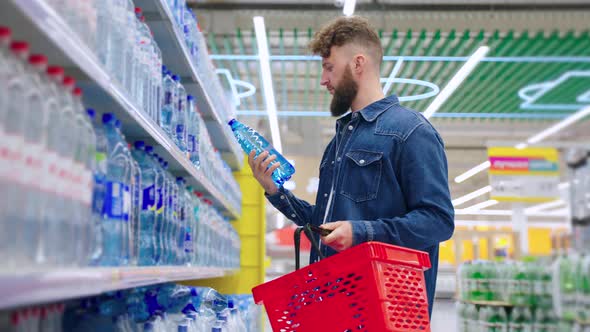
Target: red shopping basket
(371,287)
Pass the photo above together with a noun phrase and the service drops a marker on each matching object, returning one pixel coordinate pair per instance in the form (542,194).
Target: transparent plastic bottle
(147,235)
(180,119)
(35,140)
(98,190)
(12,188)
(169,103)
(114,225)
(115,59)
(69,155)
(250,140)
(131,77)
(521,320)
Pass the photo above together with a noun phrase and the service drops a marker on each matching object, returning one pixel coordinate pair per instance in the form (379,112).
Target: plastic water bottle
(134,210)
(157,83)
(193,126)
(145,49)
(170,97)
(250,140)
(147,236)
(159,201)
(180,116)
(98,192)
(115,57)
(115,234)
(131,64)
(12,189)
(35,140)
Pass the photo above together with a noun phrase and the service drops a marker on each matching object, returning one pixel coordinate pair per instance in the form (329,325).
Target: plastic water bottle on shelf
(192,131)
(250,140)
(115,233)
(169,103)
(180,116)
(130,28)
(98,190)
(115,60)
(146,226)
(158,204)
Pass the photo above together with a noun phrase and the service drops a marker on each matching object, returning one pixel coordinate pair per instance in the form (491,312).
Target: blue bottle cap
(164,69)
(108,117)
(230,304)
(160,160)
(148,327)
(232,121)
(182,328)
(139,144)
(176,78)
(118,124)
(180,179)
(149,149)
(165,164)
(216,329)
(190,97)
(91,113)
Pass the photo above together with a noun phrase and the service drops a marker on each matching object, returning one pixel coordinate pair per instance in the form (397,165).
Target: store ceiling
(536,73)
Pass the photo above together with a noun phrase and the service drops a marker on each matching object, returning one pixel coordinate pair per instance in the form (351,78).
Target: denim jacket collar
(372,112)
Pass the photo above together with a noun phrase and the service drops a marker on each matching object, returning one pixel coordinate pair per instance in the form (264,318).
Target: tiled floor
(444,318)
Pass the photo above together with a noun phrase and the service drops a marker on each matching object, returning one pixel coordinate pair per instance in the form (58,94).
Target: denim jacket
(385,171)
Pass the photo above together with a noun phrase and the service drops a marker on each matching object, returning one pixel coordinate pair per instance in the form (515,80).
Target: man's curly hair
(347,30)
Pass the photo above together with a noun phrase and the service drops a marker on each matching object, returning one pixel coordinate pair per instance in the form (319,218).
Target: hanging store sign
(524,175)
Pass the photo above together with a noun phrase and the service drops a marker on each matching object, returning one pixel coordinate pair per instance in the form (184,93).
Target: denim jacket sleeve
(292,207)
(423,176)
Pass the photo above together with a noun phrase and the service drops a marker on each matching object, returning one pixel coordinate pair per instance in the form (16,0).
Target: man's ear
(359,63)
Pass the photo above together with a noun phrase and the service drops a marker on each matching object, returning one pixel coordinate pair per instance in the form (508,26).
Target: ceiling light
(348,9)
(267,87)
(545,206)
(454,83)
(481,205)
(483,166)
(472,195)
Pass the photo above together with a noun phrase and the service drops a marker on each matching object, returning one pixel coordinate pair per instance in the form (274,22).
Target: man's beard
(344,94)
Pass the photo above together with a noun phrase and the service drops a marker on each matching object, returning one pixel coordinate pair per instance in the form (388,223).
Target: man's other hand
(262,172)
(341,237)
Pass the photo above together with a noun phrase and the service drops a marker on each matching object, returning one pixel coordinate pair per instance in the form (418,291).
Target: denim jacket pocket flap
(364,158)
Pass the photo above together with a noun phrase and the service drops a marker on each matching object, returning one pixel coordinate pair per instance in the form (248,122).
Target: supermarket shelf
(177,59)
(492,303)
(51,36)
(53,286)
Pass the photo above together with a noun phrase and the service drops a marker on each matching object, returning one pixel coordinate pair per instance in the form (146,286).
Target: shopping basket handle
(297,241)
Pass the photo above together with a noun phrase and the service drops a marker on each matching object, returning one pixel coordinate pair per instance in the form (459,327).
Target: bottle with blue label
(114,225)
(98,192)
(146,233)
(192,134)
(170,97)
(159,204)
(250,140)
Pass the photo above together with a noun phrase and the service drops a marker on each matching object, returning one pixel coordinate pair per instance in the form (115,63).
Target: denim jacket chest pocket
(361,175)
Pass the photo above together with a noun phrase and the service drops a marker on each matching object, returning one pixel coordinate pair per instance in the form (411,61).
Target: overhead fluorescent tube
(483,166)
(481,205)
(472,195)
(267,87)
(456,81)
(348,9)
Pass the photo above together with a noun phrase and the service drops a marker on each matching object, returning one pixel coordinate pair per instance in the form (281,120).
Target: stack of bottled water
(158,308)
(182,122)
(74,192)
(187,25)
(116,31)
(46,164)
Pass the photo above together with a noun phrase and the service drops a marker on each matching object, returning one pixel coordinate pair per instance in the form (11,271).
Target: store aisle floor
(444,318)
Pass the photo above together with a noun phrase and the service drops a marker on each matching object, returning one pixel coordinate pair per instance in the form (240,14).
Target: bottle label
(98,198)
(149,198)
(188,241)
(180,130)
(114,200)
(160,203)
(87,186)
(101,162)
(34,165)
(63,179)
(126,202)
(12,156)
(168,98)
(49,182)
(190,144)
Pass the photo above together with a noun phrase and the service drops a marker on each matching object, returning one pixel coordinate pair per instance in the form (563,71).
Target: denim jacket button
(325,195)
(339,159)
(282,196)
(293,215)
(350,127)
(362,161)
